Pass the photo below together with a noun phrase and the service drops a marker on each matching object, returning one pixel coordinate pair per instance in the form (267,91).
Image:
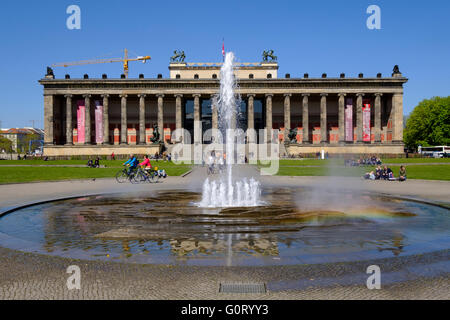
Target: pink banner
(98,122)
(81,120)
(366,120)
(349,120)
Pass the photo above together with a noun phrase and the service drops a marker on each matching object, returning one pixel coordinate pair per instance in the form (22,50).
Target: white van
(435,152)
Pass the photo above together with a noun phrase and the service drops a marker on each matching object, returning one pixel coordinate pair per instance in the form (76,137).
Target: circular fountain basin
(295,226)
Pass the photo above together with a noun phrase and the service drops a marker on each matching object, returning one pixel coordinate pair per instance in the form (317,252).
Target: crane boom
(124,60)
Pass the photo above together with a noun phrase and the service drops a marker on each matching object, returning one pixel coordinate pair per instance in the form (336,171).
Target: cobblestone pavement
(34,276)
(30,276)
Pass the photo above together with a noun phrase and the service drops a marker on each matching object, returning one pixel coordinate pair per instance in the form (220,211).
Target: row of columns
(48,101)
(397,105)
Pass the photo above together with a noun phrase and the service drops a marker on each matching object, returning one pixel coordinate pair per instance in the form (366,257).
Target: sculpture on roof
(178,56)
(49,72)
(396,70)
(269,54)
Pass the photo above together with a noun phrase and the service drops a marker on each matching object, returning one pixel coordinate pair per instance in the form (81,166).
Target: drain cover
(242,288)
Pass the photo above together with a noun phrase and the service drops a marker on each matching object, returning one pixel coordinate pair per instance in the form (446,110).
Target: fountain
(231,220)
(229,191)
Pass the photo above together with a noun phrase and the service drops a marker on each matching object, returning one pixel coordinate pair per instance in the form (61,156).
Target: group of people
(372,161)
(133,163)
(94,164)
(386,173)
(216,160)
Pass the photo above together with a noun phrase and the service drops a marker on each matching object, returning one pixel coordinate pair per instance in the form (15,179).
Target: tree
(24,144)
(429,124)
(5,145)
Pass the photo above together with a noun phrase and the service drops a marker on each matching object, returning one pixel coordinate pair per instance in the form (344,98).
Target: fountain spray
(228,191)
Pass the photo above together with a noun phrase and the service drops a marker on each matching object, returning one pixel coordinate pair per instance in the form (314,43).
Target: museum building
(341,115)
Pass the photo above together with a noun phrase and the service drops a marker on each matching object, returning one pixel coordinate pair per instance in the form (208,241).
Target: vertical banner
(366,120)
(98,122)
(349,120)
(81,120)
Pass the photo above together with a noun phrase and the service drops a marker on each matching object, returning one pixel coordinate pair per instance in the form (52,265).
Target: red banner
(81,120)
(349,120)
(366,120)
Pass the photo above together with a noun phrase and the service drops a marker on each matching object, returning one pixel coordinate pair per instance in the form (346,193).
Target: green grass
(107,163)
(340,162)
(434,172)
(29,174)
(416,160)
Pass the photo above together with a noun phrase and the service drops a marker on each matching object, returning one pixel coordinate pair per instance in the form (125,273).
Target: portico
(340,115)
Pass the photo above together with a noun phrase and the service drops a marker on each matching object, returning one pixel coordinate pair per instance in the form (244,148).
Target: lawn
(431,172)
(29,174)
(340,162)
(107,163)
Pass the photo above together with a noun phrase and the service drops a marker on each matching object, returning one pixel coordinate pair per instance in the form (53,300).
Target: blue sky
(307,36)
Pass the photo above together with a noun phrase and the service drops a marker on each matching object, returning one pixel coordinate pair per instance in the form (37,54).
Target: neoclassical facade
(362,115)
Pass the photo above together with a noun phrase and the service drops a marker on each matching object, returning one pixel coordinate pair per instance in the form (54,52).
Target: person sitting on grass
(146,165)
(386,173)
(132,163)
(402,174)
(97,162)
(90,164)
(369,176)
(378,173)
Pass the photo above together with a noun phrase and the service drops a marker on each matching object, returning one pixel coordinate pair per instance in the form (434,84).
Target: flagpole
(223,50)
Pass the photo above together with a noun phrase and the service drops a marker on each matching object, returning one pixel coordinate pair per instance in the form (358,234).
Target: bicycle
(151,176)
(123,175)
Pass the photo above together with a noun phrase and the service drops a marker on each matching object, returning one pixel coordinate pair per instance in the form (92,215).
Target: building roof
(21,131)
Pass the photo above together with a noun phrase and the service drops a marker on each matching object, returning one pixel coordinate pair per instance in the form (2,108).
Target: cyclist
(146,165)
(132,163)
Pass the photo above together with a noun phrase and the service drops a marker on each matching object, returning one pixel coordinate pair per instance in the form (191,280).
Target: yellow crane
(125,61)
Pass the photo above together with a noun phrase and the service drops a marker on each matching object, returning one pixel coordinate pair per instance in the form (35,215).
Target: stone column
(87,131)
(251,111)
(323,118)
(251,135)
(377,113)
(397,123)
(49,101)
(215,112)
(269,117)
(287,115)
(341,117)
(161,115)
(359,118)
(178,115)
(197,128)
(123,119)
(105,118)
(141,118)
(305,117)
(69,138)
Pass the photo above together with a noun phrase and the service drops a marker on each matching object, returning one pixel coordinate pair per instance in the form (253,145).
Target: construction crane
(124,60)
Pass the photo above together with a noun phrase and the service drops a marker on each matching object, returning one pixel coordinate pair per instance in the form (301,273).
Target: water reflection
(167,226)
